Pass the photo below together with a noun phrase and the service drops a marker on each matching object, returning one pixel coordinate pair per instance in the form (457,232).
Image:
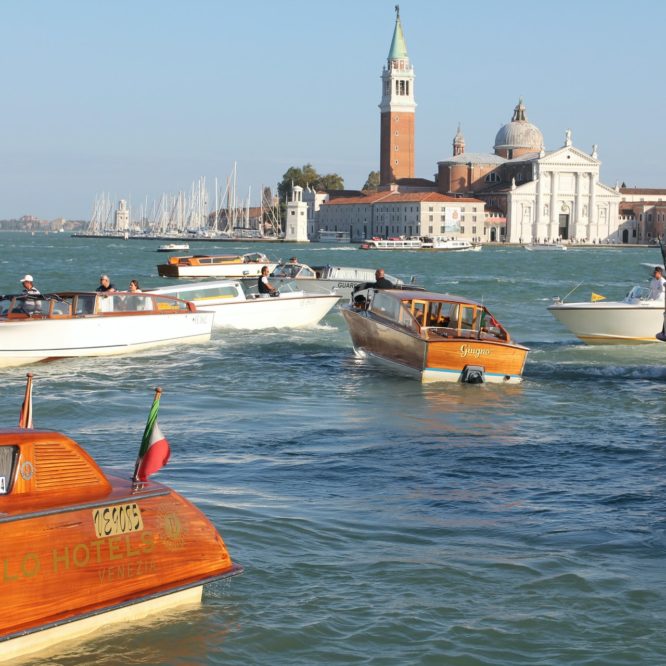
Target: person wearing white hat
(29,288)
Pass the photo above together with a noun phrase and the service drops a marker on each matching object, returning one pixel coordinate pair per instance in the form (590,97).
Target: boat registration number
(117,519)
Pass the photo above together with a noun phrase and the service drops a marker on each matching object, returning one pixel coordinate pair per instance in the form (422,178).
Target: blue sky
(140,97)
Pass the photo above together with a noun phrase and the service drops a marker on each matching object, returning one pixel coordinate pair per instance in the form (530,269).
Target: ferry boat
(338,279)
(634,320)
(536,247)
(220,266)
(452,245)
(325,236)
(433,337)
(83,547)
(80,323)
(392,244)
(236,307)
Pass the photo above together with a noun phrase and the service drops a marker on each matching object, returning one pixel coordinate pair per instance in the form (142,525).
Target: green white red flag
(25,418)
(154,452)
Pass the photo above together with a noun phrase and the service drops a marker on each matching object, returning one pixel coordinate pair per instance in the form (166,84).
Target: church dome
(518,135)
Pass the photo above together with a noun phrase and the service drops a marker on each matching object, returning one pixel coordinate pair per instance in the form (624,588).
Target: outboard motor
(473,374)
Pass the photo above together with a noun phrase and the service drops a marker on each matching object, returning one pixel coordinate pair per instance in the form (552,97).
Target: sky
(137,98)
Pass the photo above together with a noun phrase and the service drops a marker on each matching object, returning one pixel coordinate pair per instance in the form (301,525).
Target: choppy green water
(381,521)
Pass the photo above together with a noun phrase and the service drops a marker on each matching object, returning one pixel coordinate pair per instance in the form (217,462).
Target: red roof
(401,197)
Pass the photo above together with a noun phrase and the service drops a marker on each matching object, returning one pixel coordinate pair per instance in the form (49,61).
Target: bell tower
(396,153)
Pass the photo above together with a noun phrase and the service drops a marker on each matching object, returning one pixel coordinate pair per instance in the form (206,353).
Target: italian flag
(154,452)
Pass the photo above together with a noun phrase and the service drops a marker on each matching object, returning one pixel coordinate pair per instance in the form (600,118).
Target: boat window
(5,305)
(167,303)
(62,307)
(386,306)
(84,304)
(406,318)
(468,319)
(419,311)
(286,271)
(28,305)
(226,291)
(307,272)
(8,457)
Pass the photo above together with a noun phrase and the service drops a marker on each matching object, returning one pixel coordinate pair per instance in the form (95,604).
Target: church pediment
(568,155)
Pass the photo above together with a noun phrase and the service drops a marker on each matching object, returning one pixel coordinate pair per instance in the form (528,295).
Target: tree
(307,175)
(373,181)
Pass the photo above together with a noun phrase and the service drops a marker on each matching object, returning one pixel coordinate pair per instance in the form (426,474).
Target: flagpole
(146,433)
(25,418)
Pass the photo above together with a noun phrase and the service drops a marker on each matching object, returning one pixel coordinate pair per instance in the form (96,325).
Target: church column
(578,207)
(538,213)
(592,213)
(553,227)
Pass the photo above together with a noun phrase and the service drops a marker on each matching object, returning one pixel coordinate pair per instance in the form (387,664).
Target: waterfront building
(296,226)
(643,212)
(393,213)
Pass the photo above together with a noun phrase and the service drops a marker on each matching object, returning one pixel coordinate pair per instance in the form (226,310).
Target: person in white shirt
(657,284)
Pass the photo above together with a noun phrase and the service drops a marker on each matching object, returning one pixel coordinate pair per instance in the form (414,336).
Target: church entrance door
(564,227)
(625,235)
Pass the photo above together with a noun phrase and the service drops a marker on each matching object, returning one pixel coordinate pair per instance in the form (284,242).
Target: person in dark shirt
(265,287)
(105,285)
(380,281)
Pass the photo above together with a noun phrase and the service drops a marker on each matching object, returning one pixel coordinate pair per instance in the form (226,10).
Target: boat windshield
(202,293)
(287,271)
(638,294)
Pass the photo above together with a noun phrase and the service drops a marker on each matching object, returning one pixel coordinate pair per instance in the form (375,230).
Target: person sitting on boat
(133,286)
(380,281)
(293,260)
(265,287)
(657,284)
(105,285)
(29,288)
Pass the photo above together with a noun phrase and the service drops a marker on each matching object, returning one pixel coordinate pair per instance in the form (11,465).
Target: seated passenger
(380,281)
(264,286)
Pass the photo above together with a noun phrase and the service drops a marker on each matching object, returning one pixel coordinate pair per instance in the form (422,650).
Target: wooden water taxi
(64,324)
(434,337)
(83,548)
(219,266)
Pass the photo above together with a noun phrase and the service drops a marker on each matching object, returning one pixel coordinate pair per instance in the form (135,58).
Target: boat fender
(473,374)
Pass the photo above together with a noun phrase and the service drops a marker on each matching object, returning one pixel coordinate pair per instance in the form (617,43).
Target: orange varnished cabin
(76,543)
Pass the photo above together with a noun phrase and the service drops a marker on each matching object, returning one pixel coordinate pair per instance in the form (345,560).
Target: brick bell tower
(396,158)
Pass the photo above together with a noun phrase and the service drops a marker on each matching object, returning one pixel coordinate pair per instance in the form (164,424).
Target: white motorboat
(37,328)
(173,247)
(219,266)
(634,320)
(239,308)
(315,279)
(545,246)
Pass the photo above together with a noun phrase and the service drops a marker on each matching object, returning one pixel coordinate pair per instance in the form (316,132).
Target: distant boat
(392,244)
(453,245)
(219,266)
(173,247)
(545,246)
(325,236)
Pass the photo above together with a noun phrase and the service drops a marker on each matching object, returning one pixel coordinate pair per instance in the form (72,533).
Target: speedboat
(339,279)
(243,308)
(173,247)
(433,337)
(220,266)
(392,244)
(634,320)
(83,548)
(79,323)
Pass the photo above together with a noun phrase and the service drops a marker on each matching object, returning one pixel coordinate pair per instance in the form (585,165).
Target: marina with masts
(188,215)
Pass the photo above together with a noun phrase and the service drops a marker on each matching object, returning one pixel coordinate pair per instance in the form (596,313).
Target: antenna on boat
(572,291)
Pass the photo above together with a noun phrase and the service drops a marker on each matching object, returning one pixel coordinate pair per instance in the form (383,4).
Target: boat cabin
(430,315)
(80,304)
(219,259)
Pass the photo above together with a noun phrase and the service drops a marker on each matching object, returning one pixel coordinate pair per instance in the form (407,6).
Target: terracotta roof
(641,190)
(401,197)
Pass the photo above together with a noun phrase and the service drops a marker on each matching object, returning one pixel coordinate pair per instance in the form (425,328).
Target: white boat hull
(231,271)
(611,322)
(32,340)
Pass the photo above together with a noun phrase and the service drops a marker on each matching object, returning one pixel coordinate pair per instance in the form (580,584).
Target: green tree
(373,181)
(308,175)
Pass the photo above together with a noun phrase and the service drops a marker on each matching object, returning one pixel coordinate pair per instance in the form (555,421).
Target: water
(381,521)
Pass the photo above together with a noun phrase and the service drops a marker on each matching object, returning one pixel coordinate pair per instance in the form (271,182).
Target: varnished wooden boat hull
(433,360)
(57,568)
